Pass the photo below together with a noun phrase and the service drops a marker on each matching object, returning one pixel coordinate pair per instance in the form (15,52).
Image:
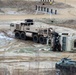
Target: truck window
(17,26)
(28,22)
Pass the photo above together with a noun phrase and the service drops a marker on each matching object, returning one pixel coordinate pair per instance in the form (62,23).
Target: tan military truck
(37,31)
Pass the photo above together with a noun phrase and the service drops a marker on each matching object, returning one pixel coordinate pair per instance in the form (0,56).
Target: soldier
(56,42)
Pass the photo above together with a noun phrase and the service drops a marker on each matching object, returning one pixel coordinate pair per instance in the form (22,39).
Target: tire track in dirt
(72,13)
(22,17)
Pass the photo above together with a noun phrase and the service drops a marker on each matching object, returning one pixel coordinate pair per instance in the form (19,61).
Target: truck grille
(17,27)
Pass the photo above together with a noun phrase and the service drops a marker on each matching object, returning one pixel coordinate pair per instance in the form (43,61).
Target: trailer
(64,39)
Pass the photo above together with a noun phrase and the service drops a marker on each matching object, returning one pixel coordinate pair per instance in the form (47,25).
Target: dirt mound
(62,5)
(69,23)
(4,40)
(27,7)
(1,11)
(20,6)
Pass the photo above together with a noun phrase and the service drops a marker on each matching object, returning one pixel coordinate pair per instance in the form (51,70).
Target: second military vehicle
(66,66)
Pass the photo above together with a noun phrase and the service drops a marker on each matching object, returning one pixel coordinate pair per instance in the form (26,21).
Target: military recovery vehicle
(28,28)
(66,66)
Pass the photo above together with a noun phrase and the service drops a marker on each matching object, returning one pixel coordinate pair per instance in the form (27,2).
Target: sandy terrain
(64,16)
(17,56)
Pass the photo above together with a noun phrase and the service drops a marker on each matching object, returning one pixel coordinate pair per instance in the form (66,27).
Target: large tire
(45,40)
(42,40)
(23,36)
(17,34)
(35,38)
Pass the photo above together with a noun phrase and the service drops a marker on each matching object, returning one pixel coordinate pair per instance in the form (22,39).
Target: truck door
(27,27)
(63,43)
(18,27)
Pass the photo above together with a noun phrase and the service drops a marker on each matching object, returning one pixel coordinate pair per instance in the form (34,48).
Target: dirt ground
(64,17)
(18,55)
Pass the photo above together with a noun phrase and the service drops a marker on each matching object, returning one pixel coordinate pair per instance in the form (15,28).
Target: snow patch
(10,33)
(4,40)
(2,36)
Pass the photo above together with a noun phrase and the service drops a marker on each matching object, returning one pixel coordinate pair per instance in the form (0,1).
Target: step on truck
(28,28)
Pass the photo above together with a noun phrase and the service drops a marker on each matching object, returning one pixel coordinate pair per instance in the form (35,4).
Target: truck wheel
(35,38)
(23,35)
(42,40)
(45,40)
(17,34)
